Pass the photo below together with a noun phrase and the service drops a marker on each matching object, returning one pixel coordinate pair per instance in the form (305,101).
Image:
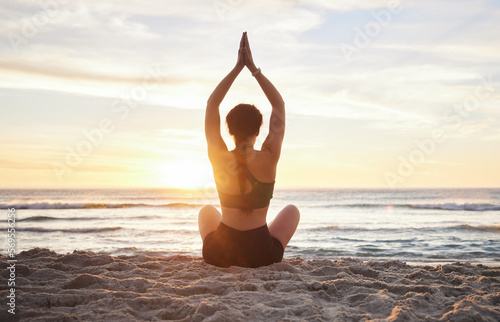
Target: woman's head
(244,122)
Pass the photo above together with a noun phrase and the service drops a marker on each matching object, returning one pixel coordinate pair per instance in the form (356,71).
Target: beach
(84,285)
(358,254)
(364,134)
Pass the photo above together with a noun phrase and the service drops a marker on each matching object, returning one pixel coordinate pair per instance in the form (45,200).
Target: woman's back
(245,183)
(239,234)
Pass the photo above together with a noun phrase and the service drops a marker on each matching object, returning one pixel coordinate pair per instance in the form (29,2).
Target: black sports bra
(259,197)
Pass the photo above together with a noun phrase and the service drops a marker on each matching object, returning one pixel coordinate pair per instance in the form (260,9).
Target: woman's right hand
(248,54)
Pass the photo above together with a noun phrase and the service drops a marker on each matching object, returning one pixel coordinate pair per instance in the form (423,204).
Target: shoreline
(434,264)
(495,264)
(85,285)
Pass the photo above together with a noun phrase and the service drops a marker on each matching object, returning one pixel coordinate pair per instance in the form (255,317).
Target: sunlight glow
(186,174)
(412,102)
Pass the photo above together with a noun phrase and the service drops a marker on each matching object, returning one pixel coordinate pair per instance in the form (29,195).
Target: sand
(86,286)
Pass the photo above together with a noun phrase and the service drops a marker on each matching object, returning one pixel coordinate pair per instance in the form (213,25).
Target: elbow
(281,104)
(210,100)
(211,104)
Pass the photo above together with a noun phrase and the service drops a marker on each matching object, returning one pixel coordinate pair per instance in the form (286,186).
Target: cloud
(468,129)
(429,58)
(180,138)
(77,73)
(347,5)
(495,136)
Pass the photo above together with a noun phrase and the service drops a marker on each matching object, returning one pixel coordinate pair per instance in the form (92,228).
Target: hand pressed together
(245,54)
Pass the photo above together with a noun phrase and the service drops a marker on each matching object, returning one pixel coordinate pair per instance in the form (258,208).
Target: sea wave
(423,206)
(58,205)
(355,229)
(442,206)
(51,218)
(491,228)
(68,230)
(455,206)
(354,205)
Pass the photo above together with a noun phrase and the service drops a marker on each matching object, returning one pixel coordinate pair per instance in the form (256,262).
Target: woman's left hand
(241,53)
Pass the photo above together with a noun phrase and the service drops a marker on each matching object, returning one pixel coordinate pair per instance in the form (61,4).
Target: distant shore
(89,286)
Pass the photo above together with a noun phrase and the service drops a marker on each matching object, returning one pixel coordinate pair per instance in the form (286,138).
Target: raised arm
(276,134)
(212,115)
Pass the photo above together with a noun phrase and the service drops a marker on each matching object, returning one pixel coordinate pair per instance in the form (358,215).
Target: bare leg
(284,225)
(208,220)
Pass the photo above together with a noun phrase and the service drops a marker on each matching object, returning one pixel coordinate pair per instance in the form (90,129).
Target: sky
(379,94)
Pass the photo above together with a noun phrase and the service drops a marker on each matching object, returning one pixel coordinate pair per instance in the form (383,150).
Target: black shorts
(247,248)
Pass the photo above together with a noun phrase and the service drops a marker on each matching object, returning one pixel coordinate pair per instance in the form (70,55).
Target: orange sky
(108,94)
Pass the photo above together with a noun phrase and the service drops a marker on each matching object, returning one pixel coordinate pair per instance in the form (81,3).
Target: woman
(245,179)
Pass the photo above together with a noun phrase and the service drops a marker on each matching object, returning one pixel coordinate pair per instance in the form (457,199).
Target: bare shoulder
(221,159)
(265,156)
(270,152)
(263,165)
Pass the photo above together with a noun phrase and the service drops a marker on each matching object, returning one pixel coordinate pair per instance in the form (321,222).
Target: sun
(186,174)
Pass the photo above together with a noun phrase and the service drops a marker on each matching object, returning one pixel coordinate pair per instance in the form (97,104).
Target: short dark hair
(244,121)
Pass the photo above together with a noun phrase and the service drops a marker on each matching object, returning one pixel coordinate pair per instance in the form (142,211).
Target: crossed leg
(282,227)
(208,220)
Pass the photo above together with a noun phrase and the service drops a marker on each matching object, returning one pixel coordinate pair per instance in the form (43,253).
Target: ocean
(416,226)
